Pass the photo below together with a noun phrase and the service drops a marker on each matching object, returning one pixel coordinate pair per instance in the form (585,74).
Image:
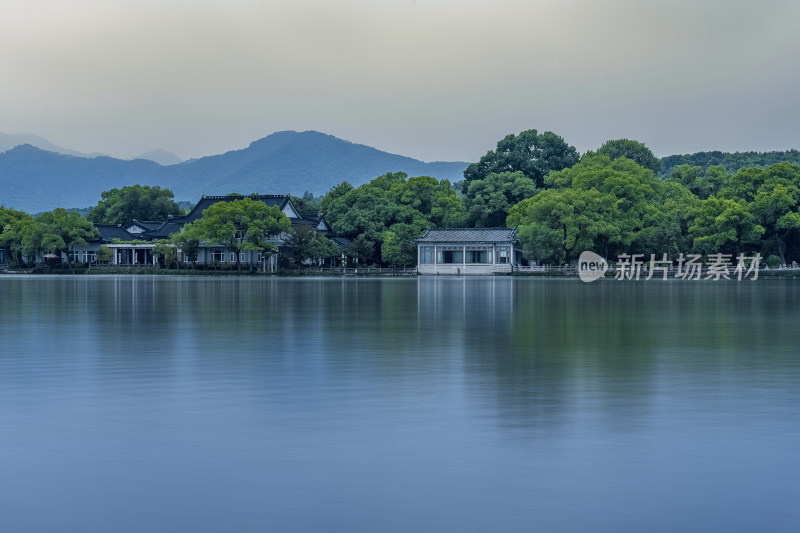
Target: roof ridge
(472,229)
(242,196)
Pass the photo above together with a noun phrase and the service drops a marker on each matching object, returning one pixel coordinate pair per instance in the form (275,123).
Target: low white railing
(561,269)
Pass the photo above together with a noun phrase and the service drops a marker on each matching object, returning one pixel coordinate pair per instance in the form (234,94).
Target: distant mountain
(162,157)
(291,162)
(34,180)
(9,141)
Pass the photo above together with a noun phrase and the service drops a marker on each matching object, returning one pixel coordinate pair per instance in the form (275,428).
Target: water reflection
(389,391)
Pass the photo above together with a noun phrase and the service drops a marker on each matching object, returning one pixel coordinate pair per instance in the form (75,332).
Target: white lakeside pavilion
(457,251)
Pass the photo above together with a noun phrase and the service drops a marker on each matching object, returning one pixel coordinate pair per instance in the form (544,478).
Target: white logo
(591,266)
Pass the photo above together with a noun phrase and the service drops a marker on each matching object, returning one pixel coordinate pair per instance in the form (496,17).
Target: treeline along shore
(618,199)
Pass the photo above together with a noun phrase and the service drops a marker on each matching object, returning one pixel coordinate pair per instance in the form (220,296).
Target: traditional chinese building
(133,244)
(468,251)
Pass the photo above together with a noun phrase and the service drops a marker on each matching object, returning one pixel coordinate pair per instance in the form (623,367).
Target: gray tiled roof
(109,232)
(279,200)
(167,228)
(161,230)
(474,235)
(341,242)
(146,224)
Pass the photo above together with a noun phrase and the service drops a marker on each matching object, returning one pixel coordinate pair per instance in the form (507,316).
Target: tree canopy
(243,224)
(600,204)
(633,150)
(140,202)
(58,231)
(530,152)
(489,199)
(393,203)
(731,162)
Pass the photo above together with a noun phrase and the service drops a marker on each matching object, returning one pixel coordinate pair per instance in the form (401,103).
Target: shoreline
(349,273)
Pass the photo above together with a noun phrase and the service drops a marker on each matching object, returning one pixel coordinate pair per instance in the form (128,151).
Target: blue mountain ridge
(35,180)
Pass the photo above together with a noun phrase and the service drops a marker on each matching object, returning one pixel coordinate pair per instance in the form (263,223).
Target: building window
(426,255)
(217,255)
(503,254)
(479,256)
(90,257)
(450,256)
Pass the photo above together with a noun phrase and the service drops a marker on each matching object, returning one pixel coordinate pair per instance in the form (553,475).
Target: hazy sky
(432,79)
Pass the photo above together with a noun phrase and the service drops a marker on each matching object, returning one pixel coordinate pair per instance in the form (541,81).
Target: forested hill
(731,161)
(36,180)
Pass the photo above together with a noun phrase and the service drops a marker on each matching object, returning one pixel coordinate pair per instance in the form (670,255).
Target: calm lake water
(166,404)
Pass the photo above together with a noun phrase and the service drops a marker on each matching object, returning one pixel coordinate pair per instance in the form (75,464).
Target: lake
(165,404)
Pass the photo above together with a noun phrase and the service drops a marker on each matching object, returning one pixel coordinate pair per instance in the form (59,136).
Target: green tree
(264,230)
(334,194)
(23,237)
(398,248)
(634,187)
(703,184)
(323,248)
(557,225)
(308,203)
(772,195)
(36,239)
(530,152)
(714,179)
(389,180)
(244,224)
(724,225)
(10,222)
(166,252)
(730,162)
(369,211)
(361,249)
(365,211)
(65,231)
(141,202)
(775,209)
(104,254)
(746,184)
(633,150)
(666,225)
(686,175)
(188,242)
(300,240)
(488,200)
(435,200)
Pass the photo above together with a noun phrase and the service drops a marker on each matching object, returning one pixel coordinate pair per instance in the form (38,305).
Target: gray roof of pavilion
(468,235)
(205,202)
(341,242)
(167,228)
(308,218)
(109,232)
(162,230)
(147,225)
(313,220)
